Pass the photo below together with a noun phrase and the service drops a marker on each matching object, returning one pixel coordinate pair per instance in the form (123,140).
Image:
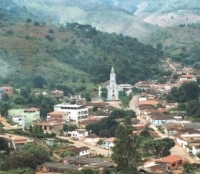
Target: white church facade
(113,88)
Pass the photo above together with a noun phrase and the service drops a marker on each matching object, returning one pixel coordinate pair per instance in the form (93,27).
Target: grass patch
(12,123)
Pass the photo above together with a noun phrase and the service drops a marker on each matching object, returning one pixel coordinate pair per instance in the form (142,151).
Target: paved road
(94,149)
(176,150)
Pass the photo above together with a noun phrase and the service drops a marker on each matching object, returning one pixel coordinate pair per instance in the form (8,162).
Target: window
(174,164)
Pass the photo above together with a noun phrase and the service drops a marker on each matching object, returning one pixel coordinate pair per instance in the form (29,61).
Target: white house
(158,120)
(108,143)
(79,133)
(81,151)
(77,113)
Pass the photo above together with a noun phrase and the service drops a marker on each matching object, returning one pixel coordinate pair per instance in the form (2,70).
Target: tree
(125,153)
(104,94)
(4,145)
(39,82)
(125,99)
(26,170)
(4,97)
(41,154)
(67,153)
(4,107)
(36,130)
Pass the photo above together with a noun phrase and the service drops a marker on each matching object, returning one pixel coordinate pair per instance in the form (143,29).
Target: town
(75,145)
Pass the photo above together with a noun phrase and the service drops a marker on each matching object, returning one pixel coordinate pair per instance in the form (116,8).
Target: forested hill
(180,43)
(72,53)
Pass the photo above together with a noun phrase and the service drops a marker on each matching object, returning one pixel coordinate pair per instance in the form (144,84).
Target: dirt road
(94,149)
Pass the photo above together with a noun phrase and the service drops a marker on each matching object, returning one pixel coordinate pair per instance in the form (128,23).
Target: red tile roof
(170,159)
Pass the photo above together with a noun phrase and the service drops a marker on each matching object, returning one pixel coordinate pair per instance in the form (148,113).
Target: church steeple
(112,70)
(112,77)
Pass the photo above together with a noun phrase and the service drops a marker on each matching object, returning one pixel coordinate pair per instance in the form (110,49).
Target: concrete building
(77,113)
(29,115)
(58,115)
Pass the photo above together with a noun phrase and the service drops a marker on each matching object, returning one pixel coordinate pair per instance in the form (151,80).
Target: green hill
(181,43)
(76,53)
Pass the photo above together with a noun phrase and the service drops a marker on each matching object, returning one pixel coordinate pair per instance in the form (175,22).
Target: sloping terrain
(180,43)
(76,53)
(106,17)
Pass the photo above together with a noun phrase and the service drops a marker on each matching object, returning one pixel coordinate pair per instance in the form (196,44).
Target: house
(50,126)
(144,84)
(84,123)
(57,94)
(185,140)
(108,143)
(188,77)
(28,114)
(58,115)
(77,113)
(16,142)
(172,161)
(78,134)
(91,139)
(194,125)
(88,162)
(49,167)
(81,151)
(149,102)
(7,90)
(151,167)
(158,119)
(171,128)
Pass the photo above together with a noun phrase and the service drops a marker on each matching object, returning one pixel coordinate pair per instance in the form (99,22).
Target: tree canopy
(125,152)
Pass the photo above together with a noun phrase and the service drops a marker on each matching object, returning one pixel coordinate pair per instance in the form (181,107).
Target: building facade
(75,112)
(112,87)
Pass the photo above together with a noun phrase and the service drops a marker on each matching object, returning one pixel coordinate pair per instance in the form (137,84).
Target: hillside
(76,53)
(164,13)
(104,16)
(180,43)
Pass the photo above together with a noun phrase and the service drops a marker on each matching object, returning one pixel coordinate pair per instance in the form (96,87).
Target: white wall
(84,153)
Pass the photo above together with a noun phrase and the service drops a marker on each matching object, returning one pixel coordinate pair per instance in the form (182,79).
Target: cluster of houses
(150,106)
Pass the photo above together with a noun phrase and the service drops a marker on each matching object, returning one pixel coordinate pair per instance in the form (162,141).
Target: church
(113,88)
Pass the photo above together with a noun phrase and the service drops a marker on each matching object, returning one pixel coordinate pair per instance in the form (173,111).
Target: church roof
(105,84)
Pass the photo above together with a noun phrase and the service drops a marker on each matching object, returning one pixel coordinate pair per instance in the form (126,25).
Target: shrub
(51,31)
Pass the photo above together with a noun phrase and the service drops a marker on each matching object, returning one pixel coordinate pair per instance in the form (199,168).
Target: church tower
(112,77)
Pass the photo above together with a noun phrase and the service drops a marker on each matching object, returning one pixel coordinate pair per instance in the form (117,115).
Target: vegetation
(127,159)
(19,171)
(30,155)
(107,126)
(187,97)
(176,43)
(104,94)
(78,49)
(125,99)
